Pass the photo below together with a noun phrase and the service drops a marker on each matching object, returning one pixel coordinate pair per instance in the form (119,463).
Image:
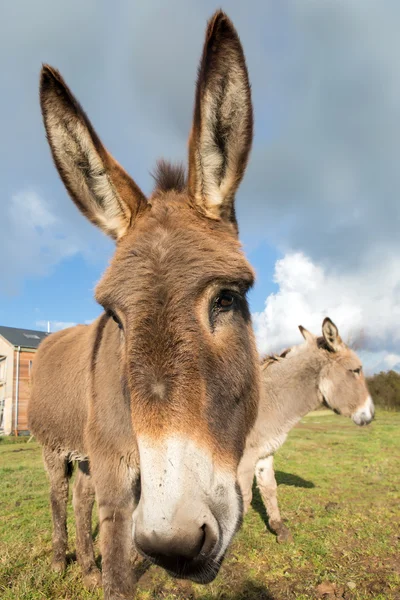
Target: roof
(26,338)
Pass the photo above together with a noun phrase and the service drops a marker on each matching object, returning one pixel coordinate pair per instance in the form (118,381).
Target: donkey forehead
(347,358)
(173,246)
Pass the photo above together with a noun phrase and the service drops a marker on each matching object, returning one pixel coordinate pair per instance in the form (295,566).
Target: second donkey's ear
(222,130)
(98,185)
(331,335)
(307,335)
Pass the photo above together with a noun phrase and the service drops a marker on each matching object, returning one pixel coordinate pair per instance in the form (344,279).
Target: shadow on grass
(259,507)
(290,479)
(96,531)
(249,590)
(71,558)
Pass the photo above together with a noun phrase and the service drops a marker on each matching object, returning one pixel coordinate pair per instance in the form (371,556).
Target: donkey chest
(271,444)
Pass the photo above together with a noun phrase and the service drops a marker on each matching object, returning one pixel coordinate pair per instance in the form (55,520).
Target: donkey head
(176,289)
(342,384)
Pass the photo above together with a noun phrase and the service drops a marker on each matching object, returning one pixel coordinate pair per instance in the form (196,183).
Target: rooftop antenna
(48,326)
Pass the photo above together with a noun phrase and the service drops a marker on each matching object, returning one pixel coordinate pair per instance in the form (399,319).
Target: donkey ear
(222,130)
(307,335)
(331,335)
(97,184)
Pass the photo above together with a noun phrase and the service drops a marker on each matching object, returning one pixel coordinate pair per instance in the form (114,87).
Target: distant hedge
(385,390)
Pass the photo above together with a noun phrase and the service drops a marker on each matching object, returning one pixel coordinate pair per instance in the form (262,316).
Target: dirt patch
(331,506)
(329,590)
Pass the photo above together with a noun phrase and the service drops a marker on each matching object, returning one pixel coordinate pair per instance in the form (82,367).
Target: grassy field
(339,490)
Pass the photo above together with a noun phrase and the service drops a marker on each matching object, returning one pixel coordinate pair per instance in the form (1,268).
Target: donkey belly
(57,411)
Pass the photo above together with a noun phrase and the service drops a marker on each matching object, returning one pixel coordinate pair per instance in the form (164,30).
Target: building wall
(25,358)
(7,389)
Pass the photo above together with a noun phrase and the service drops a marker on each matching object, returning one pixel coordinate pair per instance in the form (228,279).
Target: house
(17,353)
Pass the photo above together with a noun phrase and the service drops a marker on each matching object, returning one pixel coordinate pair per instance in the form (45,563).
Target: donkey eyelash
(114,317)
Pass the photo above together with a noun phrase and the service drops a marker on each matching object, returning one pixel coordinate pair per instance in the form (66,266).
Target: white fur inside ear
(86,174)
(331,335)
(224,140)
(217,190)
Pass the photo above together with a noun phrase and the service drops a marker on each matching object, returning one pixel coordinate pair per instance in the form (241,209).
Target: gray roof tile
(26,338)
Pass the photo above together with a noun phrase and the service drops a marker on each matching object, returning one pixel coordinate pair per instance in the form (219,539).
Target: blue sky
(318,210)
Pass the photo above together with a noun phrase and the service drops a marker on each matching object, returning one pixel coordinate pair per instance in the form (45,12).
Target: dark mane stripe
(169,177)
(271,358)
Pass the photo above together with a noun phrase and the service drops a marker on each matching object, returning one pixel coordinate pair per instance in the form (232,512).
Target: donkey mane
(273,358)
(169,176)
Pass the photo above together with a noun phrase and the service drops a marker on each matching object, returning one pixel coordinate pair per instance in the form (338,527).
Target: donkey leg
(246,477)
(83,500)
(59,471)
(116,505)
(247,496)
(268,489)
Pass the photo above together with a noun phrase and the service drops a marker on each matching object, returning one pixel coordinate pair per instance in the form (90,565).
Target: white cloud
(365,307)
(54,325)
(392,361)
(33,238)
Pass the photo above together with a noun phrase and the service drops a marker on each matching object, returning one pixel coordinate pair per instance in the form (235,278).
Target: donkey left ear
(98,185)
(222,129)
(331,335)
(307,335)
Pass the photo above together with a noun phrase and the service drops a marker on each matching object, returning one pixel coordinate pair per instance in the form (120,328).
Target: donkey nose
(365,414)
(185,545)
(174,547)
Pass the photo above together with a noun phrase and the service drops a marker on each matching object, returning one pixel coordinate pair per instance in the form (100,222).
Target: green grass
(339,491)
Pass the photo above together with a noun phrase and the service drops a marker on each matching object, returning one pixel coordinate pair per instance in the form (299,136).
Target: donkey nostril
(209,540)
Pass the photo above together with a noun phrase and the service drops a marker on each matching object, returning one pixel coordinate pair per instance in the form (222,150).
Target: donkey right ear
(331,335)
(222,128)
(97,184)
(307,335)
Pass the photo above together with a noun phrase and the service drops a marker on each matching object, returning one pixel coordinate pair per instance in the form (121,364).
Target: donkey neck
(290,391)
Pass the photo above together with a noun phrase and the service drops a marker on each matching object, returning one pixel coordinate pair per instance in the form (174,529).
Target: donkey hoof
(284,536)
(59,566)
(92,580)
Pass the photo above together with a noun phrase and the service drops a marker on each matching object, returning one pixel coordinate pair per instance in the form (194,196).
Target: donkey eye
(114,317)
(225,301)
(356,371)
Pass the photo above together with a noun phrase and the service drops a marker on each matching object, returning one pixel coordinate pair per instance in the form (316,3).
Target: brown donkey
(144,392)
(323,369)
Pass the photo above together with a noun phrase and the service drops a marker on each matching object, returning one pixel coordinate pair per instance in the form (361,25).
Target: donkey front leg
(246,477)
(116,501)
(267,485)
(83,500)
(59,470)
